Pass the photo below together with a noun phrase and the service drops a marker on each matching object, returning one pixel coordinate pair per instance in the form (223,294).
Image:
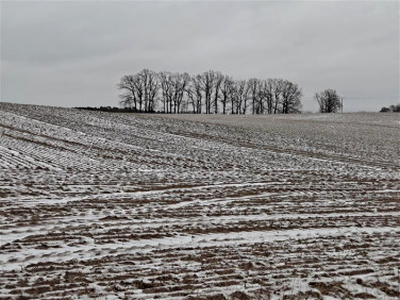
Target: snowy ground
(198,207)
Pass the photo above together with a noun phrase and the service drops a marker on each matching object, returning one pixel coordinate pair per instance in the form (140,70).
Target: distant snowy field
(116,206)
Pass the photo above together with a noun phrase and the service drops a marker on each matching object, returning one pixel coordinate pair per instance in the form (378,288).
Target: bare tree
(395,107)
(139,91)
(207,83)
(195,93)
(191,94)
(166,89)
(180,83)
(329,101)
(234,98)
(147,85)
(264,94)
(253,90)
(128,98)
(226,92)
(239,97)
(277,92)
(151,86)
(245,97)
(173,87)
(218,79)
(291,98)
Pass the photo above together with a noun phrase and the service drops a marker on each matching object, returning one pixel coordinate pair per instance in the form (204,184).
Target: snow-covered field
(97,205)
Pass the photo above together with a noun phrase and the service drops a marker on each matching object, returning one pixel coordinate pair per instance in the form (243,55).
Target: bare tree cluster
(140,91)
(210,92)
(329,101)
(391,108)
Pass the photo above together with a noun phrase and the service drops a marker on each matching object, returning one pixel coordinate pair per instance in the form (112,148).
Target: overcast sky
(73,53)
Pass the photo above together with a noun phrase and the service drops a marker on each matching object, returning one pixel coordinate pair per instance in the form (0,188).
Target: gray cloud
(73,53)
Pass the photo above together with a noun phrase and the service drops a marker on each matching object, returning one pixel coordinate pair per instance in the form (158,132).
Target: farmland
(142,206)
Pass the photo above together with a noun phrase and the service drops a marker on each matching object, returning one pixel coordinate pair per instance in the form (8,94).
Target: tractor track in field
(117,206)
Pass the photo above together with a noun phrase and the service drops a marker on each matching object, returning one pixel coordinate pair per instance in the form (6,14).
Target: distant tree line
(108,109)
(209,92)
(391,108)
